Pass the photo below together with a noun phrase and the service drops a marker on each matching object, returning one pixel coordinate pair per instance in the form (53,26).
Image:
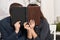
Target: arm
(30,29)
(44,33)
(29,35)
(5,36)
(5,33)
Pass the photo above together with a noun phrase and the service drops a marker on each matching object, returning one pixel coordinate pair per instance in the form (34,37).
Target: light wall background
(50,8)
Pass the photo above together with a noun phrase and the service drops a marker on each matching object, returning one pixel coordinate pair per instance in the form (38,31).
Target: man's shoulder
(7,19)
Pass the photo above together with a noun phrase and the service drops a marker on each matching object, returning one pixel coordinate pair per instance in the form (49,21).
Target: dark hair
(32,5)
(14,5)
(34,12)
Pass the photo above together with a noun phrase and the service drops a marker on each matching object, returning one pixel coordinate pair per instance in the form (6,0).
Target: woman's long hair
(34,12)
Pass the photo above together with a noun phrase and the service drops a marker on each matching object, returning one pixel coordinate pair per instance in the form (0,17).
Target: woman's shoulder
(44,21)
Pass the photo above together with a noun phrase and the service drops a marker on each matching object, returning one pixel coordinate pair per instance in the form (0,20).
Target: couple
(29,31)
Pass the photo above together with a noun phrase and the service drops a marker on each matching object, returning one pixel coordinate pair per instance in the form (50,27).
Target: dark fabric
(0,35)
(8,32)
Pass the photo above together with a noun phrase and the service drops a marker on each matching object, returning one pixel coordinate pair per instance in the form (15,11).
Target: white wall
(48,10)
(4,6)
(47,7)
(57,8)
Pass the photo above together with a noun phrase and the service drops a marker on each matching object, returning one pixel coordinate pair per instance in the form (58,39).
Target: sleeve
(0,35)
(44,33)
(5,36)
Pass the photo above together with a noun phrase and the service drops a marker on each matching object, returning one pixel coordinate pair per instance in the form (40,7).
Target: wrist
(33,33)
(32,27)
(29,34)
(17,31)
(34,36)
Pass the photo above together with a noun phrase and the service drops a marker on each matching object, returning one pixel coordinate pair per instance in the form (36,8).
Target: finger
(18,21)
(26,26)
(31,21)
(25,23)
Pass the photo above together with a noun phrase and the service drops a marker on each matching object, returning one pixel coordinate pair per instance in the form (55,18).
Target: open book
(25,14)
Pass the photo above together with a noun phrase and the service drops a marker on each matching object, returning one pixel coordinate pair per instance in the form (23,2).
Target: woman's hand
(29,25)
(26,26)
(32,24)
(30,29)
(17,26)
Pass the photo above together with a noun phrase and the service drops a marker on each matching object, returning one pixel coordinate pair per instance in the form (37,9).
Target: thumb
(19,22)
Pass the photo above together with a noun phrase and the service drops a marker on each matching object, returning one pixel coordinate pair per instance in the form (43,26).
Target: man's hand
(17,26)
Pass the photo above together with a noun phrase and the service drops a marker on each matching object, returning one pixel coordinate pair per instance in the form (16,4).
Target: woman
(29,30)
